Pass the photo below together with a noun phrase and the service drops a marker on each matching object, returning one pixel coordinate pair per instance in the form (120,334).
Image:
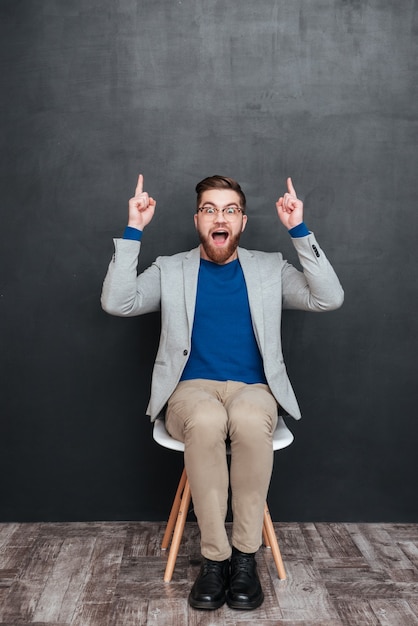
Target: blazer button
(185,352)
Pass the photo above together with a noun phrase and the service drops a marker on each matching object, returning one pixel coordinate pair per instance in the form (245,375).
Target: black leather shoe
(244,586)
(208,591)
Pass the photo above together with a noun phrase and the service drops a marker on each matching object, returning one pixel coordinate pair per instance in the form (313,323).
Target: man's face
(219,233)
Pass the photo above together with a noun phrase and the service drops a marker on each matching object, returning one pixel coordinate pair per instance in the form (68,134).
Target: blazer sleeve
(317,287)
(124,293)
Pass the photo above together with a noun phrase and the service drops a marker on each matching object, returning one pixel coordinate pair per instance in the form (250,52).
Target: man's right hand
(141,207)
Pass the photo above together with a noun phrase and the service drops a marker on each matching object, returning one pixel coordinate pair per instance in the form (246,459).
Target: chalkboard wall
(94,92)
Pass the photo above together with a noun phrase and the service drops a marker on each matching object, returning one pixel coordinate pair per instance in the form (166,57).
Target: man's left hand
(289,207)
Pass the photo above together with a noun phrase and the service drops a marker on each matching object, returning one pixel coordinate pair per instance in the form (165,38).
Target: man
(219,373)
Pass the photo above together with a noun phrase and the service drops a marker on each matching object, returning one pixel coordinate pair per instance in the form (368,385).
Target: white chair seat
(282,436)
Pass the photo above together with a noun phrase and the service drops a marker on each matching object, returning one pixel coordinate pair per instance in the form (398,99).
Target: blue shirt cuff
(299,231)
(132,233)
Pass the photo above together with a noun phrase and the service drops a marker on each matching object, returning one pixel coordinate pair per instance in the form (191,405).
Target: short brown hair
(220,182)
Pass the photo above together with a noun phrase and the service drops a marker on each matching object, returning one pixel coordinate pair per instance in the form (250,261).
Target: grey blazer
(169,285)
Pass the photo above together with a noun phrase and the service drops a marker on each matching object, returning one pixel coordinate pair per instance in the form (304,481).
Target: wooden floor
(111,574)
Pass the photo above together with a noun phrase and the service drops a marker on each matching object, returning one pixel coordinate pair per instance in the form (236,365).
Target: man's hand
(290,208)
(141,207)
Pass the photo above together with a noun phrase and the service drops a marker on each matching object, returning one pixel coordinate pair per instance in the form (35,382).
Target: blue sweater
(223,342)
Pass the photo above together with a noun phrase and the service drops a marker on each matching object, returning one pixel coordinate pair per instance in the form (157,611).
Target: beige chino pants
(204,414)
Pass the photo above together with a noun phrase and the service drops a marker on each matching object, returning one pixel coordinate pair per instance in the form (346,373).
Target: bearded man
(219,375)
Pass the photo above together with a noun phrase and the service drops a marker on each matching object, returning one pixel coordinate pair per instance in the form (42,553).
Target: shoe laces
(243,564)
(212,566)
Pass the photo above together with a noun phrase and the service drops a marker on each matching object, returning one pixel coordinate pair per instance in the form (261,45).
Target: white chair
(175,526)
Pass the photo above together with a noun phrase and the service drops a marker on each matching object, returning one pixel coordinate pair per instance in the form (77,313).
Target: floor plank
(111,574)
(66,582)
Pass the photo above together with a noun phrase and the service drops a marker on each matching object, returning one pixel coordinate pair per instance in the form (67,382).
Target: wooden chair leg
(268,528)
(178,532)
(266,541)
(174,512)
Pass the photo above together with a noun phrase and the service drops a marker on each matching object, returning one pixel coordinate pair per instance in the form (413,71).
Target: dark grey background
(94,92)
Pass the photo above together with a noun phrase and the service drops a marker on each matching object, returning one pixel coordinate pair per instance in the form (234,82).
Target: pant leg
(196,416)
(252,418)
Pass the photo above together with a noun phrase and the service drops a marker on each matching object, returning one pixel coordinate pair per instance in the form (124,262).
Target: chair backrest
(282,436)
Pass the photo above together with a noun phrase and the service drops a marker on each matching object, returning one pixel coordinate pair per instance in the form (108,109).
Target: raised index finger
(290,187)
(140,185)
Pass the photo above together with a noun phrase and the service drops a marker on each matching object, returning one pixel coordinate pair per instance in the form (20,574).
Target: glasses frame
(216,210)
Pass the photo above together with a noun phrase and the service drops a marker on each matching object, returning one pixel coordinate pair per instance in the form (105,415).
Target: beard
(217,254)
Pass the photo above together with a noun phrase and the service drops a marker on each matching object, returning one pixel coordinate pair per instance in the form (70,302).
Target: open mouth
(219,237)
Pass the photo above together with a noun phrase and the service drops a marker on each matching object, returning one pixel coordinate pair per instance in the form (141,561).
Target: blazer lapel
(191,264)
(255,295)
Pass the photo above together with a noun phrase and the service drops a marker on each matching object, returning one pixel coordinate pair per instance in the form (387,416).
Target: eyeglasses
(228,212)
